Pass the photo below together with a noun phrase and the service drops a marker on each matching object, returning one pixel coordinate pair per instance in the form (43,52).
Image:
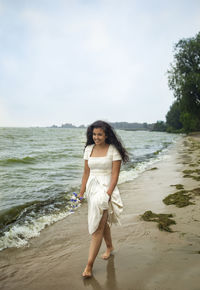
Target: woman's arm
(114,176)
(86,174)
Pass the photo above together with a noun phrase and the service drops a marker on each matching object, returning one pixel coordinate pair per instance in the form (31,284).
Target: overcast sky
(78,61)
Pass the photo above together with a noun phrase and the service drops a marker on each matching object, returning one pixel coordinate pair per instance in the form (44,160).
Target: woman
(103,155)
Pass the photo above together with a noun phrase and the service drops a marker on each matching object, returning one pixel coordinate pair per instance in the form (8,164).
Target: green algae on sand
(188,171)
(193,165)
(197,171)
(163,220)
(180,198)
(178,186)
(197,178)
(196,191)
(188,174)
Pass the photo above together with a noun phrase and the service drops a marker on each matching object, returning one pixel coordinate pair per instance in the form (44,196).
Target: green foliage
(173,117)
(190,122)
(184,80)
(159,126)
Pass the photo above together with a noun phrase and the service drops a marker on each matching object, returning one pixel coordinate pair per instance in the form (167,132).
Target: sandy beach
(145,258)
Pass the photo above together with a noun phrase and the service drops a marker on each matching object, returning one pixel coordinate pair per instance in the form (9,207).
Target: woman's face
(99,136)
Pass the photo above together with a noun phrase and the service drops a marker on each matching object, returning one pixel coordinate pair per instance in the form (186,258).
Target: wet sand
(145,258)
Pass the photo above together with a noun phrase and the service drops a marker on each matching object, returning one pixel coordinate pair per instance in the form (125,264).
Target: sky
(79,61)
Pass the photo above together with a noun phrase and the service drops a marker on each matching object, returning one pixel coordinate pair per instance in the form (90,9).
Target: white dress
(97,186)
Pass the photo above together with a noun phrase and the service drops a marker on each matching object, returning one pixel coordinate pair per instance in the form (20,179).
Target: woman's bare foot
(107,253)
(87,273)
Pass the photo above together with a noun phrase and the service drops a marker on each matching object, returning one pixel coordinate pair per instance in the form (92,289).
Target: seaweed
(197,171)
(178,186)
(197,178)
(157,152)
(163,220)
(196,191)
(180,198)
(153,168)
(188,171)
(193,165)
(187,176)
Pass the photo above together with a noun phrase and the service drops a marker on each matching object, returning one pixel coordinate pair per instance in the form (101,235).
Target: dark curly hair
(112,137)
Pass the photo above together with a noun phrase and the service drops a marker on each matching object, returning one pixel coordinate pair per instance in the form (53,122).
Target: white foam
(141,167)
(19,235)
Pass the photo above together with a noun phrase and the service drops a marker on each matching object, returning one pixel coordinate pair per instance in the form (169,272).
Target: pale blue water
(40,168)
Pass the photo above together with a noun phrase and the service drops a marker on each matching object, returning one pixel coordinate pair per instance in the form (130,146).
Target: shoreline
(145,258)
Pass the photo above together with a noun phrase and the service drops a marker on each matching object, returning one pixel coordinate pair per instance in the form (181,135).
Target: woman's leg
(108,241)
(95,244)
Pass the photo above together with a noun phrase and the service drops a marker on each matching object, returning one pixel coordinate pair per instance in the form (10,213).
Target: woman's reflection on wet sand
(111,282)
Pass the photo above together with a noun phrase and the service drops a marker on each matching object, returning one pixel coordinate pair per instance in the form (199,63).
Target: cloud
(4,115)
(76,61)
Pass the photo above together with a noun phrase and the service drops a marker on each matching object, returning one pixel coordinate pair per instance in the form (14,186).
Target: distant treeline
(131,126)
(115,125)
(67,125)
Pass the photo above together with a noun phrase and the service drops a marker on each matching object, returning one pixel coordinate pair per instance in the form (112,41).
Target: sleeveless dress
(97,186)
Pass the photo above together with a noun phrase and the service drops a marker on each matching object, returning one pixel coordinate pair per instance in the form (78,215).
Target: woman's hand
(80,196)
(114,177)
(85,177)
(109,196)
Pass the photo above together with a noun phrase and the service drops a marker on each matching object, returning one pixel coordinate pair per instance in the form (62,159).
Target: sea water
(40,168)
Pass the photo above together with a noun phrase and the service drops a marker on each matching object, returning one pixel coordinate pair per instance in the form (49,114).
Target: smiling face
(99,136)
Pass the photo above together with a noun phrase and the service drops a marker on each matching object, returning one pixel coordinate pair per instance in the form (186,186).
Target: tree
(173,117)
(184,80)
(159,126)
(190,122)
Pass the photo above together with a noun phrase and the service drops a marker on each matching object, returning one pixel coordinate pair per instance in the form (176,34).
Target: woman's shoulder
(87,151)
(112,147)
(89,147)
(114,152)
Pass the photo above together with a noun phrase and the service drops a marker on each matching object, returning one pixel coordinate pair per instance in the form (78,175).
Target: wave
(40,157)
(24,160)
(19,235)
(134,169)
(27,221)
